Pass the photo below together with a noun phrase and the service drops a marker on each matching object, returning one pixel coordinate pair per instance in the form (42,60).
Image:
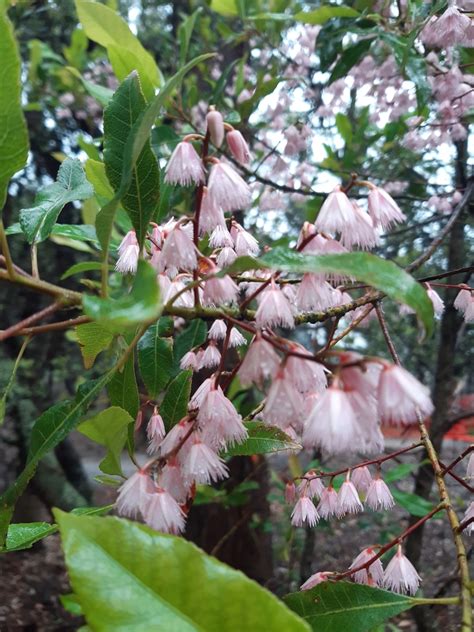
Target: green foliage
(108,560)
(142,196)
(93,339)
(175,401)
(123,388)
(141,305)
(107,28)
(110,429)
(71,184)
(155,358)
(262,439)
(14,136)
(413,503)
(336,606)
(49,430)
(325,13)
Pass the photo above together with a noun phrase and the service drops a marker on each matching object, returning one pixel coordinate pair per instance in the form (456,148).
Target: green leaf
(14,135)
(344,127)
(110,429)
(349,58)
(101,94)
(107,28)
(78,232)
(79,268)
(136,140)
(185,32)
(336,606)
(155,359)
(194,335)
(175,402)
(49,430)
(93,338)
(71,184)
(95,171)
(325,13)
(23,535)
(141,305)
(413,503)
(381,274)
(123,388)
(263,89)
(108,560)
(262,439)
(225,7)
(142,196)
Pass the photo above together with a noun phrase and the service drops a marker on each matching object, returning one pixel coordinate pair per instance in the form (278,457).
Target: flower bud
(215,127)
(238,146)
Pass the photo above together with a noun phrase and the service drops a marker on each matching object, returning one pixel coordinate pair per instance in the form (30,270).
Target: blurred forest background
(271,77)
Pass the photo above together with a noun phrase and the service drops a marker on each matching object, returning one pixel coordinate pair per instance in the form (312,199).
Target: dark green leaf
(413,503)
(110,429)
(175,401)
(123,388)
(23,535)
(349,58)
(93,338)
(185,32)
(136,140)
(381,274)
(79,232)
(155,359)
(71,184)
(14,135)
(262,439)
(336,606)
(120,115)
(49,430)
(79,268)
(108,560)
(325,13)
(101,94)
(263,89)
(141,305)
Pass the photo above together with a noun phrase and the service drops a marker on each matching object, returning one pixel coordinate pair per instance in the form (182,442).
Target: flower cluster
(332,503)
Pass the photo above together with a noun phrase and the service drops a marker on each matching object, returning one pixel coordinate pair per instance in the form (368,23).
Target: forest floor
(33,580)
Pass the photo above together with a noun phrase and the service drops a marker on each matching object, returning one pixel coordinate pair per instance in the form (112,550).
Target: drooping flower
(189,361)
(401,396)
(220,238)
(304,512)
(211,215)
(210,358)
(373,574)
(327,506)
(155,431)
(219,421)
(290,492)
(348,500)
(469,530)
(218,330)
(464,302)
(274,309)
(171,479)
(383,209)
(314,580)
(332,424)
(450,27)
(306,375)
(215,127)
(438,304)
(238,146)
(236,339)
(400,575)
(226,257)
(244,242)
(129,253)
(260,362)
(336,214)
(379,495)
(179,250)
(314,293)
(203,465)
(227,188)
(361,478)
(361,231)
(163,512)
(197,399)
(283,403)
(185,166)
(133,495)
(219,290)
(311,485)
(176,436)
